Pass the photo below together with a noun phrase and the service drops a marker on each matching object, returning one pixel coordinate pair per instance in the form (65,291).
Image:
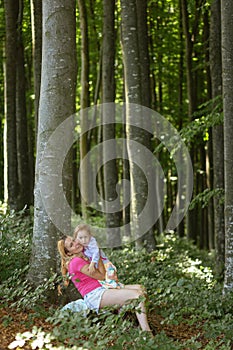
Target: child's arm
(93,251)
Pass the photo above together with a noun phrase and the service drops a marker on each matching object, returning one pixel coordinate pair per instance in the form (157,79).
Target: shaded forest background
(170,56)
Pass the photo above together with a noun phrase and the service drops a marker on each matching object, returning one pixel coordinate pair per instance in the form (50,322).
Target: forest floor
(19,322)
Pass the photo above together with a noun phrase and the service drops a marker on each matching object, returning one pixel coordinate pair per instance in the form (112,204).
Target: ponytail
(65,259)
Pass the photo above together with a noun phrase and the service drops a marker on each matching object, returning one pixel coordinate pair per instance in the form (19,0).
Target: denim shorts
(93,298)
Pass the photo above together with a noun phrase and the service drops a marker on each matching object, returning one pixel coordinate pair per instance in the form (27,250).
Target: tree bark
(36,22)
(134,118)
(191,216)
(10,161)
(217,134)
(57,104)
(143,45)
(24,174)
(209,151)
(84,178)
(112,198)
(227,79)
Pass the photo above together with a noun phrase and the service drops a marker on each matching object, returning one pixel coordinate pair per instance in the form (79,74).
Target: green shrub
(178,277)
(15,242)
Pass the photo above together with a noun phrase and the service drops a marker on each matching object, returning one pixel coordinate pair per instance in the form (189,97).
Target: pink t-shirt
(82,282)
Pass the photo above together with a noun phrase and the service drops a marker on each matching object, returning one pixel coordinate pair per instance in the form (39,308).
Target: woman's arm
(98,274)
(101,267)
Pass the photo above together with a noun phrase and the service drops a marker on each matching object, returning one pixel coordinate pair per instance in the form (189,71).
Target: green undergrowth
(180,284)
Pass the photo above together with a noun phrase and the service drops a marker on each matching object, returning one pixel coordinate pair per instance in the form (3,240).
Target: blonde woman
(96,296)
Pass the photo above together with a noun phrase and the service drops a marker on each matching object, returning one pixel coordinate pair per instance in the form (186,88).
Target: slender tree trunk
(218,144)
(25,190)
(132,95)
(126,188)
(112,198)
(143,45)
(10,160)
(134,118)
(209,182)
(84,178)
(36,22)
(209,150)
(191,220)
(153,93)
(160,60)
(227,79)
(181,227)
(30,126)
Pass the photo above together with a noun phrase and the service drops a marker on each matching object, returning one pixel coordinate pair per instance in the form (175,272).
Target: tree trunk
(227,79)
(209,151)
(57,104)
(181,227)
(25,190)
(10,160)
(36,22)
(143,45)
(2,53)
(135,132)
(112,198)
(217,134)
(191,231)
(84,178)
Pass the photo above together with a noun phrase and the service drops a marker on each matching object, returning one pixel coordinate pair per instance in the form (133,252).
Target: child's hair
(80,228)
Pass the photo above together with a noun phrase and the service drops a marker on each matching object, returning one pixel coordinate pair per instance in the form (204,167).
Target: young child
(82,234)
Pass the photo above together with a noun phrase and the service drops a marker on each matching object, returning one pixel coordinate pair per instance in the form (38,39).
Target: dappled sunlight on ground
(19,322)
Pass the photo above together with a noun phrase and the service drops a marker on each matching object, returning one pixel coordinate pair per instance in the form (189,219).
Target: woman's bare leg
(142,317)
(121,297)
(136,286)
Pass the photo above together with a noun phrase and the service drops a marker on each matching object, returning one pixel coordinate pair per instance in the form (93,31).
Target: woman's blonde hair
(80,228)
(66,257)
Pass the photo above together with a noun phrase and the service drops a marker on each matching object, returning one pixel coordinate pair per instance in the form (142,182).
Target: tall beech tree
(11,183)
(191,217)
(25,192)
(84,103)
(134,130)
(132,79)
(144,59)
(18,177)
(227,80)
(57,103)
(192,26)
(217,133)
(113,215)
(36,22)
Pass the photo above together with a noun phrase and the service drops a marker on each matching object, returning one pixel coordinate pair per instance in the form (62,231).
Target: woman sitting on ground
(96,296)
